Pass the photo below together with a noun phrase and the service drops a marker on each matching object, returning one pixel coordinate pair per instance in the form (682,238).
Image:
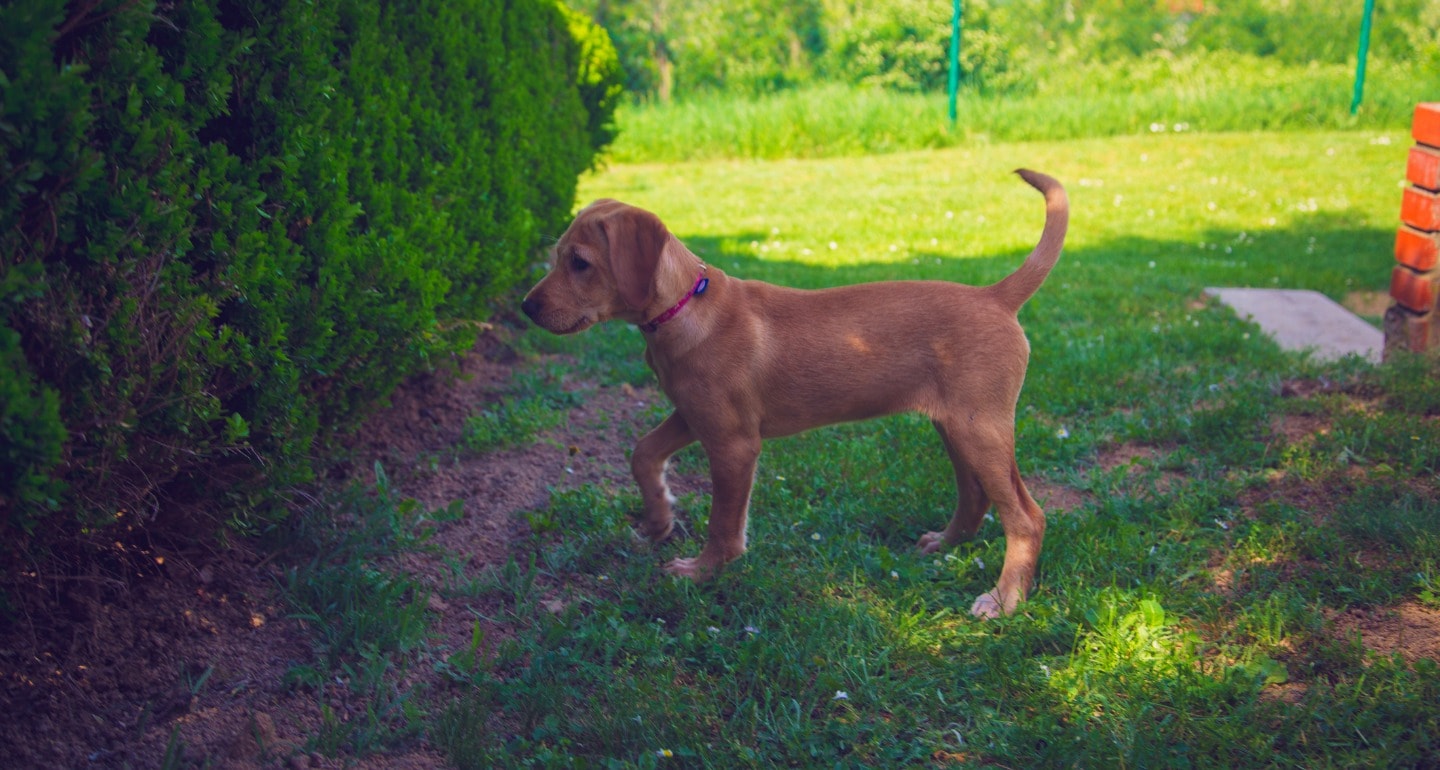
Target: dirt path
(99,674)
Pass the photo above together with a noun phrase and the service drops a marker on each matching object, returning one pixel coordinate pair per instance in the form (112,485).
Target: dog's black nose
(531,307)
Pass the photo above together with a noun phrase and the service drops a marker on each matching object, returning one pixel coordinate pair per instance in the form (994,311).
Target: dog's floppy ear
(636,239)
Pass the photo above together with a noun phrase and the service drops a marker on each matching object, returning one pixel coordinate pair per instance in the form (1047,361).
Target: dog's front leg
(647,463)
(732,474)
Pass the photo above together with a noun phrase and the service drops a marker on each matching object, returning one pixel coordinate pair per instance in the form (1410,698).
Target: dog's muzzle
(532,308)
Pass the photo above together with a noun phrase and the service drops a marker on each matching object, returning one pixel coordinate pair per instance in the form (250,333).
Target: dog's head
(603,267)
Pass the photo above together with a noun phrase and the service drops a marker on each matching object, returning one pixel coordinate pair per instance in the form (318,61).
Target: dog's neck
(680,279)
(701,283)
(691,326)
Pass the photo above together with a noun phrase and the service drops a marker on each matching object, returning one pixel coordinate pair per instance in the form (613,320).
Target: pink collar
(701,284)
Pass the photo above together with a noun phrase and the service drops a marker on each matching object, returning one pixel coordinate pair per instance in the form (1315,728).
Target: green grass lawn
(1187,605)
(1217,508)
(1212,92)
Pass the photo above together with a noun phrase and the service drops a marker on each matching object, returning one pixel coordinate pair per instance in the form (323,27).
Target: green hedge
(229,227)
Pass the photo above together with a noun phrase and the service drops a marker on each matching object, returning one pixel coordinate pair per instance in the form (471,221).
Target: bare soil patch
(1410,630)
(1142,462)
(103,673)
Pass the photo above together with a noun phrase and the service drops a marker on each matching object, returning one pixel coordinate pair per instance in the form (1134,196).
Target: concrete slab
(1306,320)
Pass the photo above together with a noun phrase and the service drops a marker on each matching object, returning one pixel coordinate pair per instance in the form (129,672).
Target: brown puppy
(744,361)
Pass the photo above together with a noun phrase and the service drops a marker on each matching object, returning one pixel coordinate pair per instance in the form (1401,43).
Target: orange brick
(1413,332)
(1426,127)
(1423,168)
(1420,209)
(1417,250)
(1416,291)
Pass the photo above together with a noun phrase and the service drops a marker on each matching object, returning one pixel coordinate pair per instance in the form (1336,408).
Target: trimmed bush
(230,227)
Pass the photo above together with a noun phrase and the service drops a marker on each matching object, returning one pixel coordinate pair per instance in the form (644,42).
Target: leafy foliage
(681,47)
(229,227)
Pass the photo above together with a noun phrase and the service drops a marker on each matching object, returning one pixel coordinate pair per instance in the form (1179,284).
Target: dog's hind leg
(647,463)
(969,509)
(1024,524)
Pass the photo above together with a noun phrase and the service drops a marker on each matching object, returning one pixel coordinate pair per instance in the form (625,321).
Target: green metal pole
(954,59)
(1364,53)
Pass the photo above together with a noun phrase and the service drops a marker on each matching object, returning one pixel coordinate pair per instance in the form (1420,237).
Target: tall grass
(1157,93)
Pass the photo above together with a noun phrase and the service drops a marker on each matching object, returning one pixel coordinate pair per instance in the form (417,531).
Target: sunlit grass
(1200,204)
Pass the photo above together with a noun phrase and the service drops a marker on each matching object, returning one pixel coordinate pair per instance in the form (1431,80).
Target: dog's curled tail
(1018,287)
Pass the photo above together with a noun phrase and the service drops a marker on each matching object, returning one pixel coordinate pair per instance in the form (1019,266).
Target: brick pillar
(1413,321)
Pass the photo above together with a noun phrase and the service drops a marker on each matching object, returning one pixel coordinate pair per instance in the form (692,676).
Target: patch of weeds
(609,354)
(369,622)
(1427,584)
(1387,442)
(1270,627)
(1392,517)
(1368,552)
(174,756)
(594,525)
(1410,382)
(512,422)
(463,733)
(1358,711)
(538,402)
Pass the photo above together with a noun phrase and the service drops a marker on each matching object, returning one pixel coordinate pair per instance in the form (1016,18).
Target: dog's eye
(579,265)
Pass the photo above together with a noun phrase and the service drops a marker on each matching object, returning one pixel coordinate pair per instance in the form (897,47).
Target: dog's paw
(693,569)
(653,532)
(930,542)
(986,606)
